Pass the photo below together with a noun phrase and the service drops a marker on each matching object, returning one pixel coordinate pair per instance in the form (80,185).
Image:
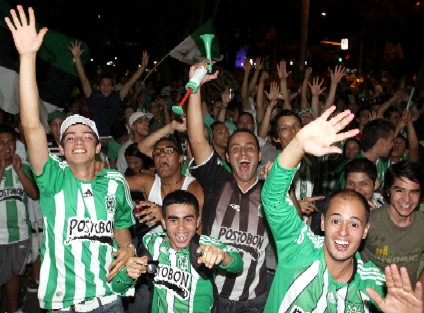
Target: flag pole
(157,64)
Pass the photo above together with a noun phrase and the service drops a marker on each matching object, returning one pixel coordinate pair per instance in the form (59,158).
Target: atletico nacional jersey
(178,287)
(302,280)
(79,221)
(15,225)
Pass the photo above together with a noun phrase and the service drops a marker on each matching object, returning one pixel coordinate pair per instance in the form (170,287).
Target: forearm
(126,88)
(291,155)
(86,86)
(264,126)
(29,185)
(413,143)
(122,237)
(286,94)
(253,81)
(304,93)
(166,114)
(146,145)
(260,102)
(35,135)
(315,105)
(331,96)
(222,113)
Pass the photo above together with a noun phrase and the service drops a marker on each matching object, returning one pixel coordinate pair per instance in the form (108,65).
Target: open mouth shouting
(341,245)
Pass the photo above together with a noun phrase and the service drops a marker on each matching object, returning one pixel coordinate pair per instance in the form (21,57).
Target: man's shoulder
(368,271)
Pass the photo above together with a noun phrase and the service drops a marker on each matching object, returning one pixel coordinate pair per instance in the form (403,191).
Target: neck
(172,181)
(400,221)
(395,159)
(220,151)
(138,138)
(341,271)
(85,172)
(244,186)
(371,155)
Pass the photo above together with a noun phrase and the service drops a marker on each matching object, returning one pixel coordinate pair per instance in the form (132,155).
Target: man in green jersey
(326,274)
(85,213)
(183,280)
(16,183)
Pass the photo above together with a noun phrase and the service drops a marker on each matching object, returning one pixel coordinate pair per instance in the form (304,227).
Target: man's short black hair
(216,123)
(180,197)
(375,130)
(362,165)
(406,169)
(350,194)
(7,130)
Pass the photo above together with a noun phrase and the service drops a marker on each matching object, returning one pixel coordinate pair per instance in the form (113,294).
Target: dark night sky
(157,26)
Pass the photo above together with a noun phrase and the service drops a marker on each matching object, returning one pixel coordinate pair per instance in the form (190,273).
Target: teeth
(342,242)
(79,151)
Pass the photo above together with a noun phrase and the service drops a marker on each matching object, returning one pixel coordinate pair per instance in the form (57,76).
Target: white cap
(136,115)
(77,119)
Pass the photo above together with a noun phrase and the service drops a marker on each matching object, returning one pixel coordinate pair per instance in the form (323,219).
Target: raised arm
(76,51)
(244,92)
(260,111)
(146,145)
(316,90)
(27,42)
(283,75)
(304,91)
(385,105)
(336,77)
(273,96)
(199,145)
(258,68)
(226,97)
(126,88)
(318,138)
(413,143)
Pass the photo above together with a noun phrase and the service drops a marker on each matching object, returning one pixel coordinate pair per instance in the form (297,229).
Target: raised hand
(282,70)
(16,162)
(208,77)
(25,36)
(319,136)
(316,86)
(274,92)
(401,297)
(227,96)
(75,49)
(259,64)
(264,76)
(144,59)
(338,74)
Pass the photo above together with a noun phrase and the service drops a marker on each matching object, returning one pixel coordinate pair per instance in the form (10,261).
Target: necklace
(173,184)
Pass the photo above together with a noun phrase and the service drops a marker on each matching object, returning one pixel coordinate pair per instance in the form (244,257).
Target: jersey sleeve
(123,214)
(281,214)
(51,171)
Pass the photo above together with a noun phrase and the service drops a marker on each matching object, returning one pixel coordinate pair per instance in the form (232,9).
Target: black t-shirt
(104,110)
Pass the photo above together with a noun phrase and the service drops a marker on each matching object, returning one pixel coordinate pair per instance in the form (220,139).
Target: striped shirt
(302,281)
(178,287)
(236,218)
(15,225)
(79,222)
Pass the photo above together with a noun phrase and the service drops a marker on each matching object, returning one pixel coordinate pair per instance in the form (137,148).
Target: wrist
(131,248)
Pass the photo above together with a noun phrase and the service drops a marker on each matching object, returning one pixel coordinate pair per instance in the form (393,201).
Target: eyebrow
(176,217)
(350,218)
(398,187)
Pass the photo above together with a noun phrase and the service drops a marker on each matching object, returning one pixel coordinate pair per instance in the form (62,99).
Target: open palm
(25,36)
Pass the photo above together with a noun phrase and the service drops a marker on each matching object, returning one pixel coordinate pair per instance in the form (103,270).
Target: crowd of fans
(206,169)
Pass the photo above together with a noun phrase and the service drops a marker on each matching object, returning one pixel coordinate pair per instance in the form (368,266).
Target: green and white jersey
(79,221)
(15,225)
(178,287)
(302,280)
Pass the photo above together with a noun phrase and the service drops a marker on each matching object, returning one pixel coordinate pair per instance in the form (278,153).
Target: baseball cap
(136,115)
(77,119)
(55,114)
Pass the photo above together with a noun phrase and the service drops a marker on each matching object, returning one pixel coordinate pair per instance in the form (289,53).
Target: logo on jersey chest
(110,202)
(174,280)
(87,229)
(182,262)
(296,309)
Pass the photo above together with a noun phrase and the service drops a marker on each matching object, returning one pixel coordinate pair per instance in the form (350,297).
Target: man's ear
(260,157)
(323,222)
(98,147)
(198,222)
(227,157)
(163,223)
(367,227)
(62,152)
